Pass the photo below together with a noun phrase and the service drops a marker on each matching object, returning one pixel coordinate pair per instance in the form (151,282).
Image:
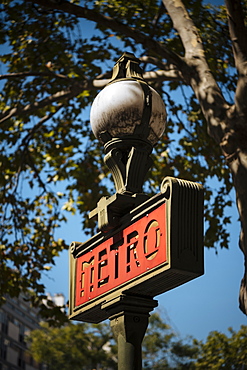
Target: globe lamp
(128,116)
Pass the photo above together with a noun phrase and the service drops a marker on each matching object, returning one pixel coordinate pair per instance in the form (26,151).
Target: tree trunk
(234,147)
(226,124)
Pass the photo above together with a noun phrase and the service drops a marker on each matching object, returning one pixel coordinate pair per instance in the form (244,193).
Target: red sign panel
(128,254)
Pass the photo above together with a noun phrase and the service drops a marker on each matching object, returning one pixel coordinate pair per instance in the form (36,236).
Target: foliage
(222,352)
(163,349)
(73,346)
(53,64)
(86,346)
(43,149)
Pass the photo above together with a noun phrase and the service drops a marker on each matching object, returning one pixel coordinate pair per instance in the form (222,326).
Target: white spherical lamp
(119,109)
(129,117)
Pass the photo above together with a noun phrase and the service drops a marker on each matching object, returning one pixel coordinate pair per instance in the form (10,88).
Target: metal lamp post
(128,117)
(145,246)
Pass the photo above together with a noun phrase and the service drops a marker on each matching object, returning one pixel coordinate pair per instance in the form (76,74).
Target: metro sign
(158,247)
(124,256)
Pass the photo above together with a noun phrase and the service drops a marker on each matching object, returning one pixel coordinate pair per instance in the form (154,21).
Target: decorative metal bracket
(128,160)
(110,210)
(127,66)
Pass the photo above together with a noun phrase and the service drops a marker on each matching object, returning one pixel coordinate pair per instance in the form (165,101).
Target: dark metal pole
(129,330)
(129,321)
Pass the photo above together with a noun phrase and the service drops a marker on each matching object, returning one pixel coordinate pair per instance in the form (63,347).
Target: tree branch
(30,74)
(193,67)
(169,70)
(185,26)
(162,75)
(25,141)
(169,75)
(37,173)
(90,14)
(238,35)
(157,18)
(151,76)
(201,79)
(30,108)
